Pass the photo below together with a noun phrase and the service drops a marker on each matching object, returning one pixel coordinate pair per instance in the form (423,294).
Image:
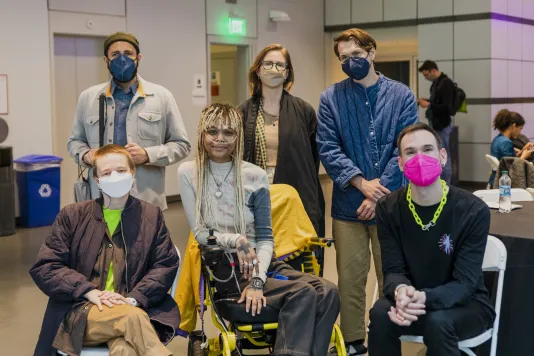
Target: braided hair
(229,117)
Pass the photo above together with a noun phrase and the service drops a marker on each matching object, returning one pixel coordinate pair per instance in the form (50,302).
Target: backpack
(460,102)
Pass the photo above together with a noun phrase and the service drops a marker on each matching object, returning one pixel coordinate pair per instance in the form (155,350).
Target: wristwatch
(256,283)
(132,301)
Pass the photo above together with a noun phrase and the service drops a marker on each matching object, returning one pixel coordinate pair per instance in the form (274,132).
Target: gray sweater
(257,208)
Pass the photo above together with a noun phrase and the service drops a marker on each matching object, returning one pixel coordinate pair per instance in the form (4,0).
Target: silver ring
(254,262)
(251,264)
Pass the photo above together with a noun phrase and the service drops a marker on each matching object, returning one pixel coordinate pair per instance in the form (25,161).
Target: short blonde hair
(109,149)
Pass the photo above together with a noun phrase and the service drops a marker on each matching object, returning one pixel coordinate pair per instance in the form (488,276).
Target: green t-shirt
(112,218)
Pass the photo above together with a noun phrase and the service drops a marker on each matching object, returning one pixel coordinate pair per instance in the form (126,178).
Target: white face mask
(116,185)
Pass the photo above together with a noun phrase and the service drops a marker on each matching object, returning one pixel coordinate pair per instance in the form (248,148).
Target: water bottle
(505,193)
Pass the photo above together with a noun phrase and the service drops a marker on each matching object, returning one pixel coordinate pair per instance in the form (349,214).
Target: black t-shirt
(446,261)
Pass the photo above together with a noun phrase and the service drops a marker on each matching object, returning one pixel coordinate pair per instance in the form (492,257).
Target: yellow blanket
(292,230)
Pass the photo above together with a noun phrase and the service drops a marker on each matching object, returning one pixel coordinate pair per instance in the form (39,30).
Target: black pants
(441,329)
(308,306)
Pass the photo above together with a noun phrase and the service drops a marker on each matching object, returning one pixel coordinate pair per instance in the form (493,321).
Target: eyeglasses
(344,59)
(268,65)
(228,135)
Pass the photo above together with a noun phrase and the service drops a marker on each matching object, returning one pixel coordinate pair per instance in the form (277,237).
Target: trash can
(7,192)
(38,180)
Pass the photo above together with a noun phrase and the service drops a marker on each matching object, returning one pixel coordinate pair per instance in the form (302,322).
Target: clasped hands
(109,299)
(372,190)
(409,306)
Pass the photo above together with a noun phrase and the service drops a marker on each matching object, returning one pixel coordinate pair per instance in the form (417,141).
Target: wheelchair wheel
(194,347)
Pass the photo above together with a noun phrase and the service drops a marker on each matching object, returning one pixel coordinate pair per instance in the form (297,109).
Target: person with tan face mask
(280,130)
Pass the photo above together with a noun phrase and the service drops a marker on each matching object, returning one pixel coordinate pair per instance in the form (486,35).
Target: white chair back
(531,191)
(495,260)
(492,195)
(493,162)
(495,255)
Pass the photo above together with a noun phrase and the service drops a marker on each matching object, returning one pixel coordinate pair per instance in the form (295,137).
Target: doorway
(78,65)
(228,70)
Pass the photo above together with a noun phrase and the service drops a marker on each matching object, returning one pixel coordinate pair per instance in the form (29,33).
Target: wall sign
(237,26)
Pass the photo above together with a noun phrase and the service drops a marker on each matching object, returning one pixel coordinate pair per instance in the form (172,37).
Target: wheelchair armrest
(322,241)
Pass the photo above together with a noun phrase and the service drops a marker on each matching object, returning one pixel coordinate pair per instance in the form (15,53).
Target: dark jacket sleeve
(162,269)
(312,131)
(248,130)
(443,100)
(336,162)
(467,266)
(243,107)
(392,178)
(52,273)
(393,263)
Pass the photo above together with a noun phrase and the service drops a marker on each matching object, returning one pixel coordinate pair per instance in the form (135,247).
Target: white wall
(303,37)
(172,38)
(25,59)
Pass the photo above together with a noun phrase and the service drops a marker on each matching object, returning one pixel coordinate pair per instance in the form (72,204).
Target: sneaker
(352,349)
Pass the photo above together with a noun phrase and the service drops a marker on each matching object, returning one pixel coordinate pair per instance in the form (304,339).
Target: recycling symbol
(45,191)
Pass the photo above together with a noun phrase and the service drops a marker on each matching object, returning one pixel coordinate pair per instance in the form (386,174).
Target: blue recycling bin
(38,180)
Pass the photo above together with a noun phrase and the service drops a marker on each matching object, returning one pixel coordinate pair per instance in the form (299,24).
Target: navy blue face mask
(123,68)
(356,67)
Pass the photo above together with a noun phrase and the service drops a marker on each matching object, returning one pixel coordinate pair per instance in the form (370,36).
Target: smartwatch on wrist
(256,283)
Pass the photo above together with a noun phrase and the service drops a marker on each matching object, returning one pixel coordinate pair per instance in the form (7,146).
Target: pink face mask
(422,170)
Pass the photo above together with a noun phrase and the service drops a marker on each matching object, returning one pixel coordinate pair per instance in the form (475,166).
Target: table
(516,231)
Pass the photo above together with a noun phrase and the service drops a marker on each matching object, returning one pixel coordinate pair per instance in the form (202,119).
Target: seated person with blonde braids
(229,198)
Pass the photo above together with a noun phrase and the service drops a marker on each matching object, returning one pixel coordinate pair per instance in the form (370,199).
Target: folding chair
(103,349)
(493,162)
(494,261)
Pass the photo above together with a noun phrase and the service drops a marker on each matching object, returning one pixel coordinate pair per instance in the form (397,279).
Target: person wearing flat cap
(139,115)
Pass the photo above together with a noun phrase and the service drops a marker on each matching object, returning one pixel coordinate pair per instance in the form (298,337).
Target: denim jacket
(153,122)
(353,140)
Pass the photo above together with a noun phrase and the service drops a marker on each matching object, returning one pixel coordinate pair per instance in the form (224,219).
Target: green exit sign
(237,26)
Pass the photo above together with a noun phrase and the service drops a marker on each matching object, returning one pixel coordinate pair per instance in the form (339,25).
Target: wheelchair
(239,331)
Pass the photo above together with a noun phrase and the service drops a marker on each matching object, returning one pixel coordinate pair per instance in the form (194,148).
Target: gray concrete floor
(22,304)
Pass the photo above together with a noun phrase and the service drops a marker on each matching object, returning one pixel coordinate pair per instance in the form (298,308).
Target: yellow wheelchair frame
(227,342)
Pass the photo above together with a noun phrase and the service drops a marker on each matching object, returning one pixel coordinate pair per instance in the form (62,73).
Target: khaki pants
(126,330)
(353,264)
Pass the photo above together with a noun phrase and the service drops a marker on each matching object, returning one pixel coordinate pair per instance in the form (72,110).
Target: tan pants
(126,330)
(353,264)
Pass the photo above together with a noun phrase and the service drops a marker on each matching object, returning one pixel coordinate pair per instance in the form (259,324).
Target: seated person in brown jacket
(107,267)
